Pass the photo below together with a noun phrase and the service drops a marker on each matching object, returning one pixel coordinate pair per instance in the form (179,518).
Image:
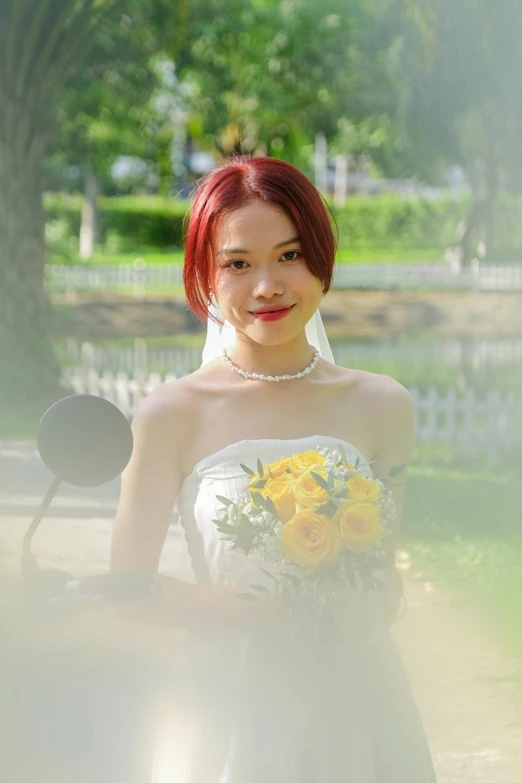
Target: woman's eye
(232,265)
(291,255)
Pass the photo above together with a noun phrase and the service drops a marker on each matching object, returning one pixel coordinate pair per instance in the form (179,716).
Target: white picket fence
(470,423)
(452,352)
(142,280)
(429,277)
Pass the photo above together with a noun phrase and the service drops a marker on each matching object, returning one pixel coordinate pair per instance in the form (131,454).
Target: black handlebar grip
(115,588)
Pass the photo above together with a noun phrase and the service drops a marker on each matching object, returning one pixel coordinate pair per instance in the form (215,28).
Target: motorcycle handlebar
(58,586)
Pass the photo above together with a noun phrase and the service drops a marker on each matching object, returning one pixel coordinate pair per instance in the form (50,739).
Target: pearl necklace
(254,376)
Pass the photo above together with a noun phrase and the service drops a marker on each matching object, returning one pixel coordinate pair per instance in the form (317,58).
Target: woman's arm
(394,422)
(150,483)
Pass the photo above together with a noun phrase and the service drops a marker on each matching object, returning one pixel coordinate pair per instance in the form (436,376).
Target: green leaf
(247,470)
(343,453)
(259,588)
(396,469)
(243,540)
(247,596)
(267,573)
(257,499)
(340,494)
(320,480)
(225,501)
(357,462)
(225,528)
(269,505)
(260,468)
(259,484)
(327,509)
(378,585)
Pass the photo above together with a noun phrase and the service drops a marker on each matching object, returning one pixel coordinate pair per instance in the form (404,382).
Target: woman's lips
(273,315)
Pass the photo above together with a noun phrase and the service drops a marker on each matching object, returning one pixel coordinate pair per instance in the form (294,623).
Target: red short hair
(231,186)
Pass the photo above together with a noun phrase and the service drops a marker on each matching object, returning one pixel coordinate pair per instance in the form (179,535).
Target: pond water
(462,364)
(467,391)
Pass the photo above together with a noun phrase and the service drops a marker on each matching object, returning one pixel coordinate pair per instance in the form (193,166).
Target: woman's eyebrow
(243,250)
(233,250)
(287,242)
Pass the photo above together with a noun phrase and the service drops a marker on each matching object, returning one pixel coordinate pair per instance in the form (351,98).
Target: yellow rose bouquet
(315,519)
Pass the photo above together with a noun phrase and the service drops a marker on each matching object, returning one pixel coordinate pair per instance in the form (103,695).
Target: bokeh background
(407,114)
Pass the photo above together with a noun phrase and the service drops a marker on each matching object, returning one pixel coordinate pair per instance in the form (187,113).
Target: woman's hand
(201,606)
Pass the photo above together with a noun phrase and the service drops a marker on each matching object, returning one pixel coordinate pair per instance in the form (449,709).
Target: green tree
(459,69)
(107,107)
(269,75)
(42,47)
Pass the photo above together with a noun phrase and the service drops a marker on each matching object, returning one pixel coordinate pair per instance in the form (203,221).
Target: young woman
(259,258)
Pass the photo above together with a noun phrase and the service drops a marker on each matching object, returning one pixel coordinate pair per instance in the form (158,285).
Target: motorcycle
(71,709)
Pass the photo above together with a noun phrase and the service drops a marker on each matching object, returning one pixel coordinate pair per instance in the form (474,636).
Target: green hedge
(380,221)
(384,221)
(141,221)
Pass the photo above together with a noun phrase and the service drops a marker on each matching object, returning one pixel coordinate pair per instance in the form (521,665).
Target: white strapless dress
(337,710)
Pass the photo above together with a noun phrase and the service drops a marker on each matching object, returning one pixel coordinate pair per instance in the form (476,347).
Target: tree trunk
(490,201)
(89,221)
(39,43)
(29,371)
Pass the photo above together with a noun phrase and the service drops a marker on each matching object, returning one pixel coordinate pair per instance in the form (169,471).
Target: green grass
(486,571)
(374,255)
(389,255)
(18,426)
(151,256)
(463,529)
(175,290)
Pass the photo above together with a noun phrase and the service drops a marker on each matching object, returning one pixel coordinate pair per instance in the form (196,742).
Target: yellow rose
(278,468)
(359,525)
(280,492)
(307,492)
(362,488)
(299,463)
(311,539)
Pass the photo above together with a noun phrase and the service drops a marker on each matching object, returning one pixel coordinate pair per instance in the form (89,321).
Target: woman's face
(261,281)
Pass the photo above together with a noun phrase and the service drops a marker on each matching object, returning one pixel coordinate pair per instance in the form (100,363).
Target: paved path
(469,690)
(463,680)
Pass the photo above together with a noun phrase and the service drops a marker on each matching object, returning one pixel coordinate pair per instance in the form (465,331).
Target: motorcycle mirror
(84,440)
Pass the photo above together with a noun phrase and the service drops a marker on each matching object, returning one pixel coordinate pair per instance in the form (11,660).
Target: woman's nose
(268,285)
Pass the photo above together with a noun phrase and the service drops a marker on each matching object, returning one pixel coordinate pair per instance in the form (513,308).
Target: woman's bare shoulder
(171,405)
(370,386)
(382,393)
(385,386)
